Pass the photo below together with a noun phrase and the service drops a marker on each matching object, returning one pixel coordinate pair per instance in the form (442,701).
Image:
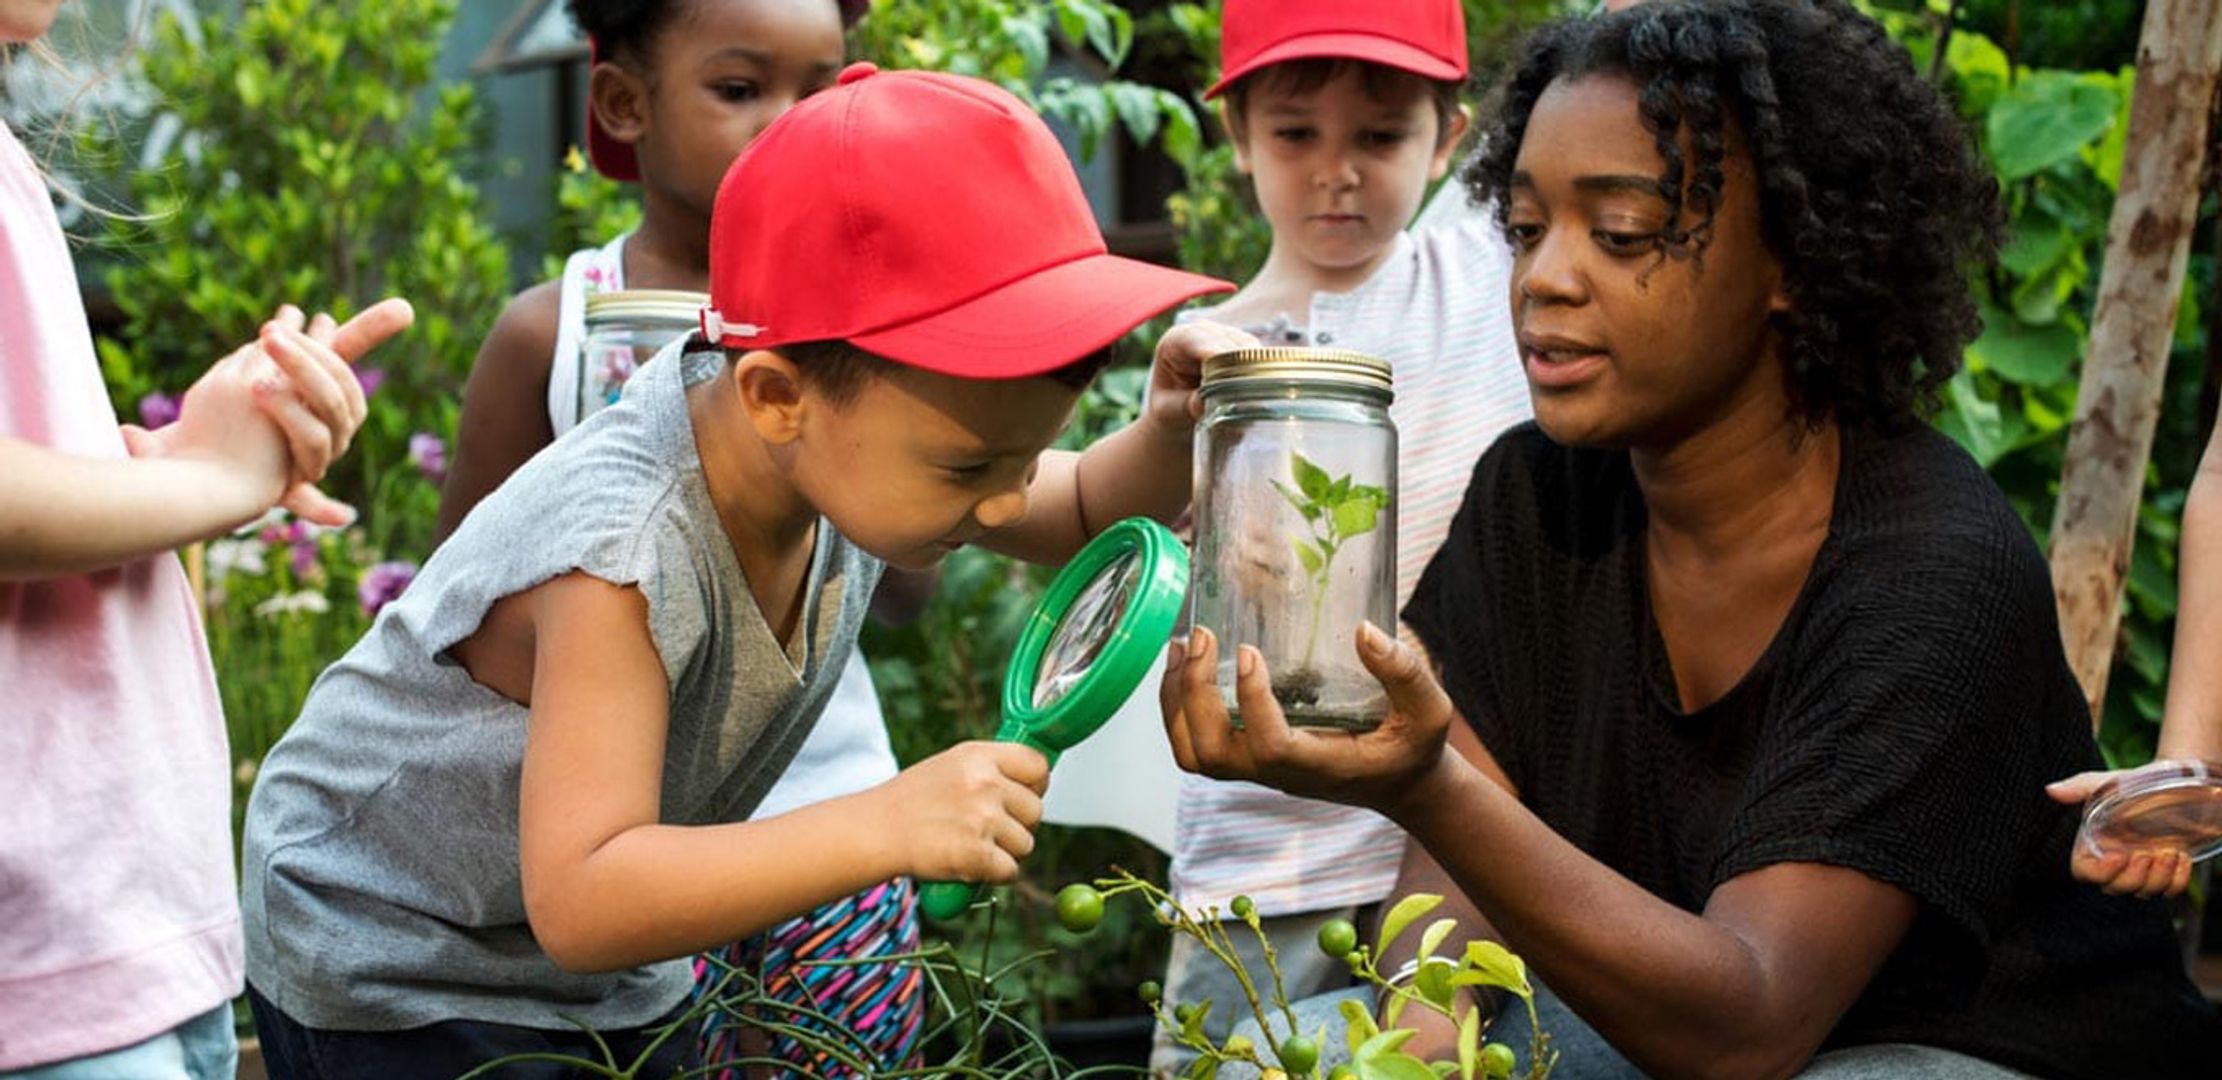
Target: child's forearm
(1143,469)
(656,892)
(65,514)
(2193,724)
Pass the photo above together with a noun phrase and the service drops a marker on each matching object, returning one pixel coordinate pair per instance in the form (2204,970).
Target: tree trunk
(2148,243)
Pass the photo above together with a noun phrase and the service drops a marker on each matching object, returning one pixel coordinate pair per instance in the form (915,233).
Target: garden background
(222,156)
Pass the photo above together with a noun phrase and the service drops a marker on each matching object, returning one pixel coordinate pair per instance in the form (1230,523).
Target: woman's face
(1623,343)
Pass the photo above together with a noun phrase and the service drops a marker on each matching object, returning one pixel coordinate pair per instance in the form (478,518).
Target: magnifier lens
(1086,627)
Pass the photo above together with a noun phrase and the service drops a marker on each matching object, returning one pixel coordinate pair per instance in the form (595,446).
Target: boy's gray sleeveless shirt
(380,875)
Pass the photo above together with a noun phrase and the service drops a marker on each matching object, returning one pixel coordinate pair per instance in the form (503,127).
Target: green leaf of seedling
(1406,912)
(1338,491)
(1359,1026)
(1491,964)
(1312,480)
(1469,1043)
(1308,555)
(1356,517)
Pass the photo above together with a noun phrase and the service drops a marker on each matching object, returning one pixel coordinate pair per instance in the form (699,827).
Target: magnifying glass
(1093,638)
(2167,806)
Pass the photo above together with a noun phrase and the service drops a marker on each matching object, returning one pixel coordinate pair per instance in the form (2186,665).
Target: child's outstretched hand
(2145,873)
(967,813)
(1178,370)
(1376,769)
(270,418)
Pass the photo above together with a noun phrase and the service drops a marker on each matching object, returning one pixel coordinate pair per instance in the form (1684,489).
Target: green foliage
(318,167)
(1336,511)
(590,210)
(1376,1053)
(2057,139)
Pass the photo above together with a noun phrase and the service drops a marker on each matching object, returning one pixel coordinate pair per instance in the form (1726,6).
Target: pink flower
(382,584)
(429,455)
(371,379)
(157,410)
(304,557)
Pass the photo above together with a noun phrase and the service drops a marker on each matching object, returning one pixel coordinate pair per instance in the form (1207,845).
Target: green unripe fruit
(1239,1045)
(1299,1054)
(1338,938)
(1242,907)
(1151,993)
(1498,1060)
(1079,907)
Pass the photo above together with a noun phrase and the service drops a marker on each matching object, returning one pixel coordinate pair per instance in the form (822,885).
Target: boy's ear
(1446,146)
(619,99)
(770,389)
(1238,137)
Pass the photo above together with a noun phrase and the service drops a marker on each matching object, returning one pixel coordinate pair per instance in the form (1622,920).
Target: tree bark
(2118,405)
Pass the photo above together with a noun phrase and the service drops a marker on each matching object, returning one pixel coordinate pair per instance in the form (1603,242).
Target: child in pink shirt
(122,950)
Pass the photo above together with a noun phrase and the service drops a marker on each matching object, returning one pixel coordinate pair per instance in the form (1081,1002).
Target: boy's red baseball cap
(930,219)
(615,159)
(1424,37)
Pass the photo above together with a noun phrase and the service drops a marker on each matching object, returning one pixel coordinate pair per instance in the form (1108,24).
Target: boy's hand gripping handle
(949,899)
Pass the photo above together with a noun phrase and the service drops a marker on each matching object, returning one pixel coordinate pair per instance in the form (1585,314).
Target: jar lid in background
(647,307)
(1297,366)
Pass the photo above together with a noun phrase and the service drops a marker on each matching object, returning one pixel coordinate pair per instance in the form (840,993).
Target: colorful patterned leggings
(806,967)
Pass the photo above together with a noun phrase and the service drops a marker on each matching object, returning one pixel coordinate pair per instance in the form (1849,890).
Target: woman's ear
(619,99)
(769,387)
(1446,145)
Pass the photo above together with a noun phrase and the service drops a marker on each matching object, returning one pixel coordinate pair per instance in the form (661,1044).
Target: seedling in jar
(1335,511)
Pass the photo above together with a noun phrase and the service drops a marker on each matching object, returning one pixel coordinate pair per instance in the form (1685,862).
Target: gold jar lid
(672,308)
(1295,364)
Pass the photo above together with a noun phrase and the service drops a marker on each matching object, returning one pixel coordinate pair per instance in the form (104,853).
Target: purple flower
(370,379)
(429,455)
(382,584)
(157,410)
(304,557)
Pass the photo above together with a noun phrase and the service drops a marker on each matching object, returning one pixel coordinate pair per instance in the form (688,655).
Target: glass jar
(624,329)
(1295,522)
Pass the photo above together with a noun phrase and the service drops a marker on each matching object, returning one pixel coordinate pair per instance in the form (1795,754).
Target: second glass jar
(1295,524)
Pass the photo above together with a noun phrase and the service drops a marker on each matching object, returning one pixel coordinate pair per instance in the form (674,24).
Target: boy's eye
(1616,242)
(969,472)
(1523,235)
(1292,134)
(1385,138)
(738,91)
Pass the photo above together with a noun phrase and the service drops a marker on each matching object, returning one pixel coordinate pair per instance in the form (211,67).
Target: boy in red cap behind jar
(521,800)
(1342,114)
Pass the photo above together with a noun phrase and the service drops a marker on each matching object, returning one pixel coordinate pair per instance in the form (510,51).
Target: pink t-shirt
(119,917)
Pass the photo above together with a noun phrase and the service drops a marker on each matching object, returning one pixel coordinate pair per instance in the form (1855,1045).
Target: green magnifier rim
(1132,651)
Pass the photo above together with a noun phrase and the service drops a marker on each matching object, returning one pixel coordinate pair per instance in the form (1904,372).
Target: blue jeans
(294,1051)
(203,1048)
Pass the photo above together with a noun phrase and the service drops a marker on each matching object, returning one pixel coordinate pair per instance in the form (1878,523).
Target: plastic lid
(1095,635)
(648,307)
(1288,364)
(2175,805)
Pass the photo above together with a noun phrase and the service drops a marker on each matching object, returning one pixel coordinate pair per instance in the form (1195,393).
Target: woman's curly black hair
(1870,189)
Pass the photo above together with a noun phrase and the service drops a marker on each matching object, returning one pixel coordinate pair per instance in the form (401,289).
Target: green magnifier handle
(942,900)
(1123,593)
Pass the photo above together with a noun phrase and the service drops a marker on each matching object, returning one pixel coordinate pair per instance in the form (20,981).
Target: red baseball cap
(615,159)
(927,218)
(1424,37)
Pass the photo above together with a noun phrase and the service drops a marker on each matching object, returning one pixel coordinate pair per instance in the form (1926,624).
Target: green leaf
(1394,1067)
(2105,159)
(1205,1068)
(1433,937)
(1356,517)
(1312,480)
(2039,243)
(1358,1024)
(1982,67)
(1976,424)
(2029,355)
(1192,1031)
(2152,582)
(1469,1043)
(1491,964)
(1405,913)
(1308,555)
(1380,1045)
(1136,106)
(1433,981)
(2047,118)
